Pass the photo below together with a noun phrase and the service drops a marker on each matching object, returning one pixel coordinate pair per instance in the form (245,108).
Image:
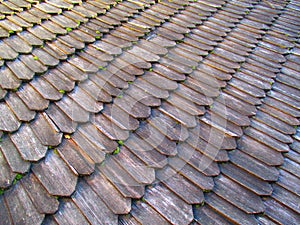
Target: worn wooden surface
(129,112)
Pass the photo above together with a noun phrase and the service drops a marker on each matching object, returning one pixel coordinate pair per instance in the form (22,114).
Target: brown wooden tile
(261,152)
(229,211)
(98,138)
(43,202)
(9,121)
(243,199)
(69,211)
(181,186)
(13,158)
(121,179)
(141,211)
(182,211)
(20,205)
(206,215)
(76,158)
(85,198)
(246,179)
(109,194)
(253,166)
(274,209)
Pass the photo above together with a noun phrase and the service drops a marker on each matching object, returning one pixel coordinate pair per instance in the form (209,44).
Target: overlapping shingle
(210,65)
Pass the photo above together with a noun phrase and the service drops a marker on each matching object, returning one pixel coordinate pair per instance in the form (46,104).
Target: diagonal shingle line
(69,57)
(64,35)
(199,63)
(258,106)
(34,6)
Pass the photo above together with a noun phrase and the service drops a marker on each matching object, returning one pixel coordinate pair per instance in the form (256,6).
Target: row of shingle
(122,174)
(188,196)
(253,143)
(53,160)
(32,14)
(59,47)
(283,104)
(33,144)
(156,206)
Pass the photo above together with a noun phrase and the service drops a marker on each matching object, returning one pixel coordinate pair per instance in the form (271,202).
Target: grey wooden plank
(64,123)
(45,57)
(110,129)
(169,205)
(145,214)
(140,95)
(86,101)
(279,213)
(76,158)
(59,80)
(229,211)
(32,99)
(92,206)
(238,196)
(13,157)
(19,108)
(181,186)
(43,202)
(55,175)
(121,179)
(203,163)
(135,167)
(30,38)
(120,117)
(178,114)
(107,48)
(69,213)
(246,179)
(6,176)
(9,80)
(33,62)
(88,147)
(21,207)
(8,121)
(206,215)
(53,28)
(253,166)
(94,135)
(4,212)
(75,112)
(45,130)
(46,90)
(132,107)
(28,144)
(109,194)
(20,70)
(42,33)
(48,8)
(157,139)
(18,44)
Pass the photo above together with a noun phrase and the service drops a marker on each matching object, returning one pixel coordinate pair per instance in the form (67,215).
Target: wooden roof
(149,112)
